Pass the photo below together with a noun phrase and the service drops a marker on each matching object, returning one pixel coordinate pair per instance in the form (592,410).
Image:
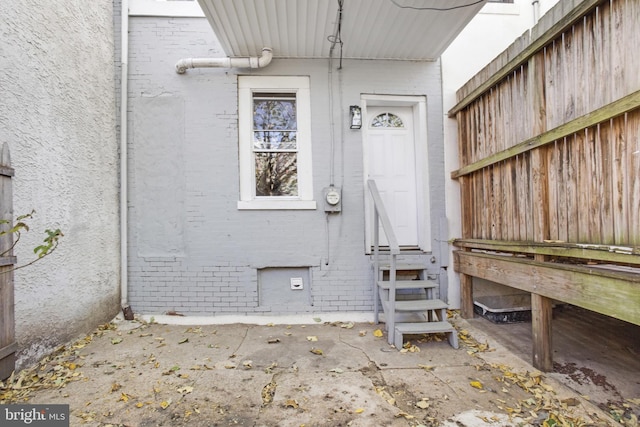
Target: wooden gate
(7,262)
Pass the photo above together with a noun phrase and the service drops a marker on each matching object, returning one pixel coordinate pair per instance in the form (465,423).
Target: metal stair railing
(380,216)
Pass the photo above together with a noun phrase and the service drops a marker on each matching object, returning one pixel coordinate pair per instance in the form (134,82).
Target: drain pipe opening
(251,62)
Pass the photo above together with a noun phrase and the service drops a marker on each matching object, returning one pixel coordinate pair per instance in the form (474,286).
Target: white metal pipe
(536,11)
(124,60)
(251,62)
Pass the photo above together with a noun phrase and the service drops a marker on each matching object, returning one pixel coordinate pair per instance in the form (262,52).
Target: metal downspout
(124,61)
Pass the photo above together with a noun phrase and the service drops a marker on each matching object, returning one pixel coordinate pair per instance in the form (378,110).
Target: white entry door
(392,164)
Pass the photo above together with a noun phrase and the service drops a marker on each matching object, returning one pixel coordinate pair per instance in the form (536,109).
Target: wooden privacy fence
(7,262)
(549,147)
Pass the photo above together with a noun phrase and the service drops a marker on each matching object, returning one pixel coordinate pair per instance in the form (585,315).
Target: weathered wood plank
(561,189)
(592,167)
(496,202)
(541,315)
(618,50)
(604,253)
(466,207)
(528,195)
(604,147)
(537,44)
(7,327)
(466,295)
(617,108)
(507,200)
(620,190)
(552,184)
(8,350)
(549,67)
(7,260)
(521,188)
(568,76)
(582,185)
(633,172)
(632,14)
(593,289)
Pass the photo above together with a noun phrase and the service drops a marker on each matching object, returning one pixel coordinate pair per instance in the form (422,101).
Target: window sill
(276,204)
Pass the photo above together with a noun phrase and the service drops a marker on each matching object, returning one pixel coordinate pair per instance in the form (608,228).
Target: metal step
(416,305)
(409,284)
(425,328)
(404,267)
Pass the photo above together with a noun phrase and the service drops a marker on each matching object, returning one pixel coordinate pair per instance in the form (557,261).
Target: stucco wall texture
(190,249)
(57,113)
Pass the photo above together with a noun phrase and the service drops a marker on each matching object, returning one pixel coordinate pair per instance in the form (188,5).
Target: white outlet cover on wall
(296,283)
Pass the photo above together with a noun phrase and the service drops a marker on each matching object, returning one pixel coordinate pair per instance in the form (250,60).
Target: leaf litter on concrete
(53,371)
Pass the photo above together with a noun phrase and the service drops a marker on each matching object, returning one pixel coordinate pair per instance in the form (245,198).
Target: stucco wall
(196,253)
(57,112)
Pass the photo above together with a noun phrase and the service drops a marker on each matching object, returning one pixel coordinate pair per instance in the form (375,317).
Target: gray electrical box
(332,199)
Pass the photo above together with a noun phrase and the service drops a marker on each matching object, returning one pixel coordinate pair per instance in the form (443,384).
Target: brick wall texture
(190,249)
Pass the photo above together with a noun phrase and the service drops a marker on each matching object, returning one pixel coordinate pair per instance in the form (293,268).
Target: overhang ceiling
(369,29)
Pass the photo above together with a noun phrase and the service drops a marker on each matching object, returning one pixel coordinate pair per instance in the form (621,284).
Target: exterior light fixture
(356,117)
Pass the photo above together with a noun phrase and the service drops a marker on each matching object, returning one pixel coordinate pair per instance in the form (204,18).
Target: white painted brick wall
(215,269)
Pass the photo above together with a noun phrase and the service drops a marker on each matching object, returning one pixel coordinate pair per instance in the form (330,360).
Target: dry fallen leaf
(476,384)
(291,403)
(316,351)
(423,404)
(404,415)
(165,404)
(377,333)
(268,391)
(185,390)
(312,338)
(359,410)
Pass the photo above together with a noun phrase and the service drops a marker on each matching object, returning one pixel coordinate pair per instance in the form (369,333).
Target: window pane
(387,120)
(276,174)
(274,114)
(274,140)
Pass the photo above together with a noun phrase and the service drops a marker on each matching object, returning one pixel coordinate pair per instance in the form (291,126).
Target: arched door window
(387,120)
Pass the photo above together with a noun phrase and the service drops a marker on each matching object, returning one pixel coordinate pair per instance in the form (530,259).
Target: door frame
(418,106)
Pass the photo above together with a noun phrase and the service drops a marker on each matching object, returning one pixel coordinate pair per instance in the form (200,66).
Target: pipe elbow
(183,64)
(265,59)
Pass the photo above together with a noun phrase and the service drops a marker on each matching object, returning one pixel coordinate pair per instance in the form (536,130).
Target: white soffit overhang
(370,29)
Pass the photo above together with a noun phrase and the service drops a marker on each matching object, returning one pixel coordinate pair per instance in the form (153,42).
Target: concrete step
(409,284)
(425,328)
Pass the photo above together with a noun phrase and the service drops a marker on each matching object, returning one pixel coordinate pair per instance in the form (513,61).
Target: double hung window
(275,143)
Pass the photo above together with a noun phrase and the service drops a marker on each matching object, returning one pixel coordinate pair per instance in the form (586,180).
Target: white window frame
(299,85)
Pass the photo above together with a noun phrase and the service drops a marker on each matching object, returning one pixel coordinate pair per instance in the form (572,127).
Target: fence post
(7,260)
